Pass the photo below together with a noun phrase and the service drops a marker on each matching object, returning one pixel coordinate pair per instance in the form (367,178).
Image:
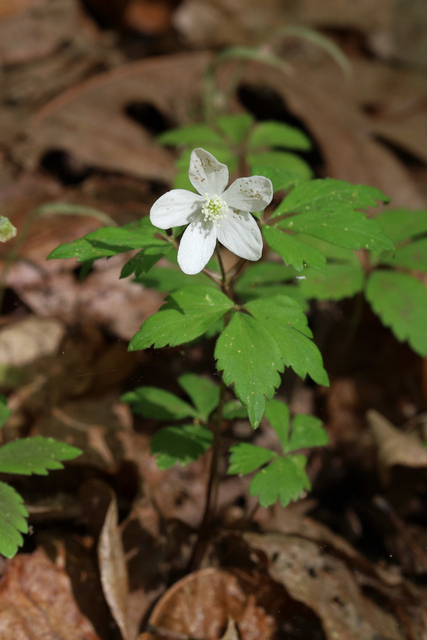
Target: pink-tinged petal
(206,174)
(197,246)
(175,208)
(240,234)
(249,194)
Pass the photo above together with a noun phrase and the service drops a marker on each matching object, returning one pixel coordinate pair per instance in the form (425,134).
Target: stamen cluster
(214,209)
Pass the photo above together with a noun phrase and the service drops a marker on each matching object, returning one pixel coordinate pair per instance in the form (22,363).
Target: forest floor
(85,89)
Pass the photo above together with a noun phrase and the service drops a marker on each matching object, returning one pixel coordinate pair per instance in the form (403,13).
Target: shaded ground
(86,87)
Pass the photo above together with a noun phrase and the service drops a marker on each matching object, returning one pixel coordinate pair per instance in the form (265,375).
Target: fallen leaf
(26,340)
(395,447)
(200,605)
(112,565)
(36,602)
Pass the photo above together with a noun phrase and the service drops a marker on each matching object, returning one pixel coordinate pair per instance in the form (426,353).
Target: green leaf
(166,279)
(284,479)
(281,178)
(307,431)
(264,273)
(203,393)
(410,256)
(152,402)
(337,282)
(236,126)
(35,455)
(234,410)
(401,224)
(276,134)
(13,520)
(144,260)
(250,358)
(285,321)
(327,210)
(4,411)
(401,302)
(282,161)
(186,314)
(294,252)
(246,457)
(109,241)
(183,444)
(277,413)
(194,135)
(326,194)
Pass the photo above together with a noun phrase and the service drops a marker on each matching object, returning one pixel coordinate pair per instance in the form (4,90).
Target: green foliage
(284,477)
(184,444)
(186,314)
(400,300)
(202,392)
(4,411)
(35,455)
(168,279)
(277,134)
(152,402)
(110,241)
(27,456)
(336,282)
(261,339)
(13,520)
(402,224)
(294,252)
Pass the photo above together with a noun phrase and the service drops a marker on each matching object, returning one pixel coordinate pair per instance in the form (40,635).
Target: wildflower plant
(295,238)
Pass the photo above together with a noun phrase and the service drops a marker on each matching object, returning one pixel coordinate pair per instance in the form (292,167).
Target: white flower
(215,214)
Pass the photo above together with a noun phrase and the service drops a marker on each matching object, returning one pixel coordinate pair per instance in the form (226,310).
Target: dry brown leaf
(113,569)
(200,605)
(394,446)
(36,602)
(90,122)
(325,585)
(26,340)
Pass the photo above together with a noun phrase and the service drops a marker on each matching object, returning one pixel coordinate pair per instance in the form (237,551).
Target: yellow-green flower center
(214,209)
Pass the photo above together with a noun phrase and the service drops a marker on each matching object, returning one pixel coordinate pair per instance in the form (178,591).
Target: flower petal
(197,246)
(240,234)
(249,194)
(175,208)
(206,174)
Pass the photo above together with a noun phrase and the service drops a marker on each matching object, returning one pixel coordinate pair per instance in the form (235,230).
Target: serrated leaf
(332,252)
(286,323)
(401,224)
(183,444)
(250,359)
(277,134)
(13,520)
(326,194)
(186,315)
(35,455)
(233,410)
(152,402)
(337,282)
(410,256)
(4,411)
(282,161)
(277,413)
(235,126)
(284,479)
(401,302)
(166,279)
(203,393)
(245,458)
(281,178)
(194,135)
(307,431)
(109,241)
(144,260)
(294,252)
(328,210)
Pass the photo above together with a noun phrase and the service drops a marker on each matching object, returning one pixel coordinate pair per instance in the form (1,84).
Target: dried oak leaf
(36,602)
(201,604)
